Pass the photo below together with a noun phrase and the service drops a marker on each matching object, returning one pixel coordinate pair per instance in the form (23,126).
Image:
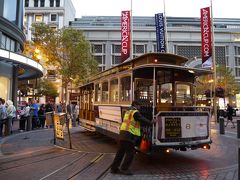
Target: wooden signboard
(59,125)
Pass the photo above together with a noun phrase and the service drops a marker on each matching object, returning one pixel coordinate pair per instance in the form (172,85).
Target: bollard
(29,123)
(221,125)
(238,128)
(238,162)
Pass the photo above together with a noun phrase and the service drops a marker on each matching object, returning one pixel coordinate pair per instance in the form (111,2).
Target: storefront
(13,68)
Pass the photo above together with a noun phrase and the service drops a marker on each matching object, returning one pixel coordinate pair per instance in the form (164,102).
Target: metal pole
(69,134)
(131,38)
(154,92)
(165,24)
(214,67)
(54,130)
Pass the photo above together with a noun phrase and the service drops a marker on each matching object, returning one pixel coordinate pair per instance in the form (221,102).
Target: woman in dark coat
(41,116)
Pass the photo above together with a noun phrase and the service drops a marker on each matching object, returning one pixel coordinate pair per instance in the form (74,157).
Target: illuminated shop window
(4,87)
(38,18)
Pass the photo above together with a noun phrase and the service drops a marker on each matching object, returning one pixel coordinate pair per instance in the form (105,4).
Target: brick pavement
(18,142)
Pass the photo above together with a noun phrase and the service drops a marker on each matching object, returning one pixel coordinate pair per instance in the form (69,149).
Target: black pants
(42,121)
(126,150)
(2,122)
(22,123)
(35,122)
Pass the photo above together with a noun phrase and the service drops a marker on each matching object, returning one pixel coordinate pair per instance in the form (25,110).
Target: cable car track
(30,163)
(94,164)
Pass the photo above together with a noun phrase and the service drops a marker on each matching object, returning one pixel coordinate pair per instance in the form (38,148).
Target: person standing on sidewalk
(3,116)
(35,120)
(25,117)
(229,115)
(129,132)
(11,115)
(42,116)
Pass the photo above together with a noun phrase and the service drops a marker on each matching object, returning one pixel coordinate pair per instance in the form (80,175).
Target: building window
(116,54)
(42,3)
(116,59)
(100,59)
(12,46)
(4,87)
(97,48)
(57,3)
(237,50)
(54,28)
(116,49)
(35,3)
(10,10)
(220,55)
(139,49)
(237,61)
(38,18)
(26,3)
(237,72)
(53,17)
(7,43)
(98,51)
(195,51)
(51,2)
(3,42)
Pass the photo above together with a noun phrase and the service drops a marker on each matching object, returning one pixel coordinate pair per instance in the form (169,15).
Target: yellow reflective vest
(129,124)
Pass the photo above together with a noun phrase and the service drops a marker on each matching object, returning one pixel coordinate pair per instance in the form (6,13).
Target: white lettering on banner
(206,48)
(125,32)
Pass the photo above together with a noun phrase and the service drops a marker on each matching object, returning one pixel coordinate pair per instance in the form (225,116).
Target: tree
(227,81)
(67,50)
(47,88)
(226,85)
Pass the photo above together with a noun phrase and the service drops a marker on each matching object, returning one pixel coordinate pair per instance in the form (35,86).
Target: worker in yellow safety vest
(129,132)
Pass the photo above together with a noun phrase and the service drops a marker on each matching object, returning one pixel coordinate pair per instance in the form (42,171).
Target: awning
(31,68)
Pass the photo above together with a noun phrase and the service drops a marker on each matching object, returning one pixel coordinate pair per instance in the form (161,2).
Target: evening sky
(173,8)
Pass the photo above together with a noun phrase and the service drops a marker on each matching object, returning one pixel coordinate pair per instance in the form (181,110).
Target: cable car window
(97,93)
(105,91)
(166,93)
(125,89)
(183,94)
(144,90)
(114,90)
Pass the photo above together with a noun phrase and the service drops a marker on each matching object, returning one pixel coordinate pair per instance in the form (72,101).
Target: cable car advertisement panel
(112,113)
(182,127)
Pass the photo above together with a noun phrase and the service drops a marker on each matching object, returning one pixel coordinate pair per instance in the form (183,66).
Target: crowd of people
(32,115)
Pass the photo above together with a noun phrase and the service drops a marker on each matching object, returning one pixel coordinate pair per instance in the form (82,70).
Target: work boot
(126,172)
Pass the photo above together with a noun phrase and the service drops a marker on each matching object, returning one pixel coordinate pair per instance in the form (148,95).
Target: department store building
(183,36)
(14,66)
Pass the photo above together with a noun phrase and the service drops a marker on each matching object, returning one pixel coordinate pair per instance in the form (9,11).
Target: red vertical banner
(207,60)
(125,35)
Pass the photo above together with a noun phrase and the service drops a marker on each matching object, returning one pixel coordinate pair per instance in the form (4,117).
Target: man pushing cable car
(129,132)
